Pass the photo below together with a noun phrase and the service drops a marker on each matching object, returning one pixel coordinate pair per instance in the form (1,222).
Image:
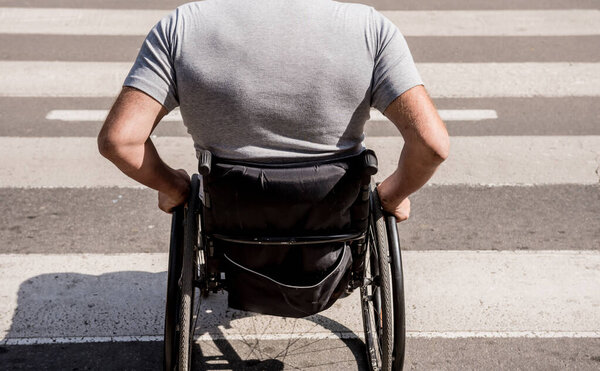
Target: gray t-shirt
(268,79)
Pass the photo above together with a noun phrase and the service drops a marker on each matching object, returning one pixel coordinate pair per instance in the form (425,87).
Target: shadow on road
(99,309)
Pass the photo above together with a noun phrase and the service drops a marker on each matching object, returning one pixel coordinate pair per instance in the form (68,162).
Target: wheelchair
(286,239)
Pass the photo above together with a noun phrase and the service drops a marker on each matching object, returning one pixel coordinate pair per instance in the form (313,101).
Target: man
(272,80)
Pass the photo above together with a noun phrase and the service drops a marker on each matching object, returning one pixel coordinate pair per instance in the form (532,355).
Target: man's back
(274,78)
(268,79)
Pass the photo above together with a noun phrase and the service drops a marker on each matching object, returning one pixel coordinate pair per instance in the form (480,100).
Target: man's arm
(426,146)
(125,141)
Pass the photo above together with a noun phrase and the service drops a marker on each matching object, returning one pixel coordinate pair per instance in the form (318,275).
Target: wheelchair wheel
(183,253)
(382,294)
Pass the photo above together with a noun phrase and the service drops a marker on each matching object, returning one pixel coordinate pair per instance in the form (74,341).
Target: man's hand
(169,201)
(400,209)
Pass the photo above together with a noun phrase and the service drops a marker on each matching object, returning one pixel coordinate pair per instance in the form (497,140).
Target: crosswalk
(501,254)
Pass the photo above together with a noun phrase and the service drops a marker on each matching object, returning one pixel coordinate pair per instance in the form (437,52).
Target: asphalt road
(26,117)
(117,220)
(422,354)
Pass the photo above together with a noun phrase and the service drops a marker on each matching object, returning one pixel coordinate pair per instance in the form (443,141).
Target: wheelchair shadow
(96,319)
(270,354)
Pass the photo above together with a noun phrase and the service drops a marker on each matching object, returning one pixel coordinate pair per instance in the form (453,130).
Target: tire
(179,325)
(188,270)
(398,290)
(171,335)
(376,292)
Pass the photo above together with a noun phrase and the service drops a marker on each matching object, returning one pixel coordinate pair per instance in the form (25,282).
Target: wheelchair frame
(194,264)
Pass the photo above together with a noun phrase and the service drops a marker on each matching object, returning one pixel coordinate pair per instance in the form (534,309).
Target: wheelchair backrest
(289,200)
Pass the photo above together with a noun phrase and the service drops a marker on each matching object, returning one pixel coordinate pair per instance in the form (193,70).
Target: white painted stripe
(57,21)
(304,336)
(468,114)
(459,80)
(97,115)
(494,160)
(480,80)
(80,340)
(377,116)
(100,115)
(451,115)
(452,294)
(62,79)
(506,334)
(565,22)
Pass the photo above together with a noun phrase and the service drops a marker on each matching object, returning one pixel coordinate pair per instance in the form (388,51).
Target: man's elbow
(106,145)
(438,149)
(111,146)
(441,150)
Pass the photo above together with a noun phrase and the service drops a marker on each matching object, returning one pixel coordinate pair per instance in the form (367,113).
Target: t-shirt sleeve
(153,71)
(394,71)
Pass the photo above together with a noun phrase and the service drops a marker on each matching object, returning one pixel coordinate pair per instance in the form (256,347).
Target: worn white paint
(301,336)
(66,21)
(550,22)
(488,80)
(83,115)
(96,115)
(459,80)
(553,22)
(450,294)
(451,115)
(493,160)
